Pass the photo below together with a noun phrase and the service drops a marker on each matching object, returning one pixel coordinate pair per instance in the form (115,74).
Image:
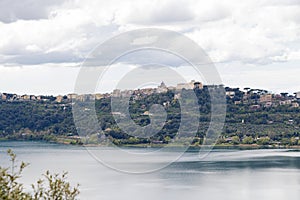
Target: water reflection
(224,174)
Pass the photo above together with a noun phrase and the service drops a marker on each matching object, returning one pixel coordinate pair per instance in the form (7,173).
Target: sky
(252,43)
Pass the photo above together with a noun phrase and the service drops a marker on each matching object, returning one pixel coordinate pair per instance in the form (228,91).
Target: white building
(116,93)
(162,88)
(186,86)
(231,94)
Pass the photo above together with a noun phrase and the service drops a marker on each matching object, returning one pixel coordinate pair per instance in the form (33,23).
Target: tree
(293,141)
(285,141)
(247,88)
(58,188)
(167,139)
(248,140)
(9,187)
(264,141)
(235,140)
(284,94)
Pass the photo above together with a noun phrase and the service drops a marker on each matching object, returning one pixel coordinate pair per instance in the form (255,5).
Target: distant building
(98,96)
(246,96)
(15,97)
(166,104)
(171,88)
(127,93)
(285,102)
(59,98)
(25,97)
(265,98)
(237,102)
(39,98)
(106,95)
(230,94)
(72,96)
(297,95)
(85,97)
(177,96)
(162,88)
(278,97)
(146,91)
(198,85)
(268,104)
(295,105)
(116,93)
(32,97)
(181,86)
(147,113)
(255,107)
(3,97)
(81,97)
(186,86)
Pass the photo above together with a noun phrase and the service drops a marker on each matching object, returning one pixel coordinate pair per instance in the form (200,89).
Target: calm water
(226,174)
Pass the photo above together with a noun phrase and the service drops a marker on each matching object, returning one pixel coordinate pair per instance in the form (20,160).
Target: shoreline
(190,147)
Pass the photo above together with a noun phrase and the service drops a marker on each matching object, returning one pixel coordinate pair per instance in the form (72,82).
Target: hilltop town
(84,97)
(253,117)
(257,98)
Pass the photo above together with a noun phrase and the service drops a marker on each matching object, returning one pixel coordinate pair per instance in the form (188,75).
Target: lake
(223,174)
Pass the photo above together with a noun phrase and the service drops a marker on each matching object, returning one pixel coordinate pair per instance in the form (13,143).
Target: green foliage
(57,187)
(263,141)
(36,120)
(10,188)
(293,141)
(235,140)
(285,141)
(248,140)
(93,139)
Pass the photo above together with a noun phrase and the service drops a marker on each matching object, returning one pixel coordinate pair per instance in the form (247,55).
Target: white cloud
(13,10)
(160,12)
(144,40)
(250,32)
(67,36)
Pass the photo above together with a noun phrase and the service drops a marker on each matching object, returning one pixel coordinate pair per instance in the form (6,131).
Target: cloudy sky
(253,43)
